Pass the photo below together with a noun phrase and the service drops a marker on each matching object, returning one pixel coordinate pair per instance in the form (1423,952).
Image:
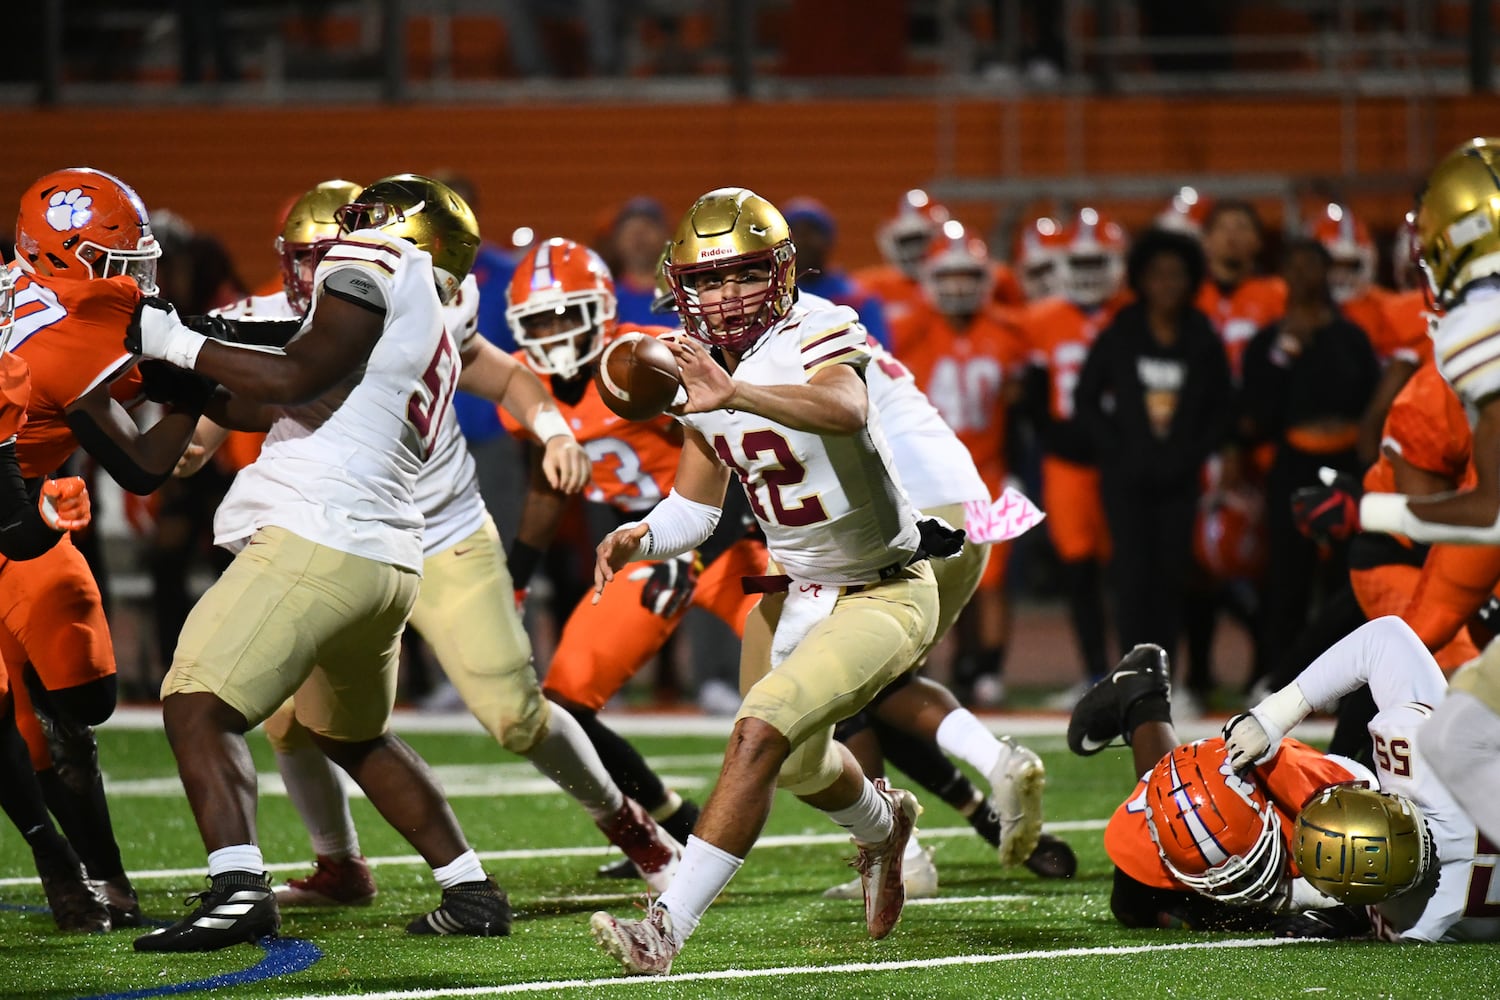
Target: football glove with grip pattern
(64,504)
(1330,512)
(669,584)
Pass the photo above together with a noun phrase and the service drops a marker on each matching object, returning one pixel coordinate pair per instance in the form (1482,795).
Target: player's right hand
(151,327)
(1329,512)
(64,504)
(669,584)
(618,548)
(565,464)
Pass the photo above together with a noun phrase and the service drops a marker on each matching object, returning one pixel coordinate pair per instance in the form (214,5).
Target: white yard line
(953,900)
(594,851)
(729,975)
(676,724)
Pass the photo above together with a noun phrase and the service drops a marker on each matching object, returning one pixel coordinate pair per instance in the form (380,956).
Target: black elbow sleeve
(23,533)
(121,467)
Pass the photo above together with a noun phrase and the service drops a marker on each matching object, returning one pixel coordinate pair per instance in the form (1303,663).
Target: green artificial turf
(1026,938)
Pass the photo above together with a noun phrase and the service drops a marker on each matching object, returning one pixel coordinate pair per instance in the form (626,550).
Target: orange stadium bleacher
(557,168)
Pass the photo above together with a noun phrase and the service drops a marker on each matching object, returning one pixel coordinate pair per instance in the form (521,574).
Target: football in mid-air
(637,377)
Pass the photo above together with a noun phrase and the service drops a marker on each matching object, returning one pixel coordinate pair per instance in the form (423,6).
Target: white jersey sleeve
(1466,346)
(1385,654)
(461,316)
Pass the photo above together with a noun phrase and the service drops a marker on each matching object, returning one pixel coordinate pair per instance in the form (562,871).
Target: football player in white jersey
(329,548)
(1406,683)
(464,607)
(1458,236)
(775,393)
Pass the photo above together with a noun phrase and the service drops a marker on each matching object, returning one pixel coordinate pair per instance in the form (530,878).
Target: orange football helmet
(1185,213)
(1217,833)
(568,281)
(1229,534)
(904,238)
(1095,258)
(957,275)
(82,223)
(1348,242)
(1039,257)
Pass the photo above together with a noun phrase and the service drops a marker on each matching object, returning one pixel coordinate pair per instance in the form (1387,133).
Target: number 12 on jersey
(787,473)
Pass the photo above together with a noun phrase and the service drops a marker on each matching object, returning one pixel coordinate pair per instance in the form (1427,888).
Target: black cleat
(75,904)
(239,907)
(1099,717)
(1053,858)
(623,868)
(480,909)
(120,899)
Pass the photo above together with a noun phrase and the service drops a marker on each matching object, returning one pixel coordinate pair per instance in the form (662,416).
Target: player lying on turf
(1262,832)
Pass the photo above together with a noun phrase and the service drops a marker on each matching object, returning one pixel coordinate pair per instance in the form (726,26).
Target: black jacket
(1153,412)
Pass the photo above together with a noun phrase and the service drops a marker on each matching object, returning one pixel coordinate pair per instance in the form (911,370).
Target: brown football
(637,377)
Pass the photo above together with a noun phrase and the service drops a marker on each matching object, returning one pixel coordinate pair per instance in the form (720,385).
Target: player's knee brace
(88,704)
(284,732)
(811,768)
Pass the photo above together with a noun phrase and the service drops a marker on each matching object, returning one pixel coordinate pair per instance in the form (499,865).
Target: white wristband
(549,423)
(1385,512)
(182,347)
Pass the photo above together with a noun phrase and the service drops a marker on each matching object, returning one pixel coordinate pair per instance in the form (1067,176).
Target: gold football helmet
(311,227)
(730,229)
(426,213)
(1361,846)
(1458,220)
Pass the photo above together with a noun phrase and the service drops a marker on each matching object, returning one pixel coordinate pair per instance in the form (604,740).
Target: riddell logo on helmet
(710,253)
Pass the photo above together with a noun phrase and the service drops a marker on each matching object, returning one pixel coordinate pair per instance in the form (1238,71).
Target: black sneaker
(238,907)
(1053,858)
(623,868)
(480,909)
(1099,717)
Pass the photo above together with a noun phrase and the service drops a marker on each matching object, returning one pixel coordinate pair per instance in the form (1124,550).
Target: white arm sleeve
(677,525)
(1389,513)
(1385,654)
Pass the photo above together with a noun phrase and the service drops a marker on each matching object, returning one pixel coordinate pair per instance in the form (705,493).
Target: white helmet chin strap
(563,361)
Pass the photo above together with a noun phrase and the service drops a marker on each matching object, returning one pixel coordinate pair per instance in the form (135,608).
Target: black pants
(1153,554)
(1298,576)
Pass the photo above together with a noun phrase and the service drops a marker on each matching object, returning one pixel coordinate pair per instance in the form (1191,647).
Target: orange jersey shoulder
(1254,303)
(71,334)
(15,393)
(1406,315)
(1428,427)
(1059,336)
(900,296)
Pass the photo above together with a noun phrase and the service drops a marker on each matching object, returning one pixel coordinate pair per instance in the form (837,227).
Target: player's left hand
(618,548)
(565,464)
(1329,512)
(64,504)
(1245,741)
(669,584)
(708,385)
(172,386)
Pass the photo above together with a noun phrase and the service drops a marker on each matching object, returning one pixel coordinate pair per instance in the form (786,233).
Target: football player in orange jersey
(85,255)
(968,358)
(1059,332)
(562,312)
(30,526)
(1236,300)
(1040,246)
(903,240)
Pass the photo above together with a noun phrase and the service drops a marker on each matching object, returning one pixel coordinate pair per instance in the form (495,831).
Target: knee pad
(811,767)
(520,734)
(284,732)
(88,704)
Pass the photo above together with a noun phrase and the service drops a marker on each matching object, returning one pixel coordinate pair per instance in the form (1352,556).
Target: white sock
(565,754)
(464,868)
(236,858)
(312,783)
(913,849)
(702,874)
(869,819)
(965,737)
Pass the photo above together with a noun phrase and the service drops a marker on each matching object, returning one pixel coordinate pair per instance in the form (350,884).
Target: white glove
(1254,737)
(158,332)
